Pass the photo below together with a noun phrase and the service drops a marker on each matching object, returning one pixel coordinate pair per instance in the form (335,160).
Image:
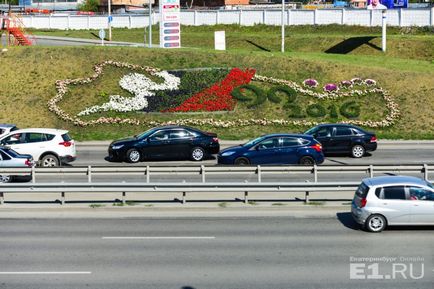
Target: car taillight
(28,163)
(363,202)
(373,138)
(66,143)
(317,147)
(215,139)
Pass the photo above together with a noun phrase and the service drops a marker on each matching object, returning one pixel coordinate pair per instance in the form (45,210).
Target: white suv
(48,147)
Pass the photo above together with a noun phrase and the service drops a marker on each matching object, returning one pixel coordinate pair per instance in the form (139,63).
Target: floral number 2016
(349,109)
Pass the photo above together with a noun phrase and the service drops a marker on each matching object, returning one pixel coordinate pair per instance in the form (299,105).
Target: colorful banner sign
(170,24)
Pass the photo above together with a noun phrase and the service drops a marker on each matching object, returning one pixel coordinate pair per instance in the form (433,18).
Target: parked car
(393,200)
(11,159)
(275,149)
(48,147)
(167,142)
(344,138)
(6,128)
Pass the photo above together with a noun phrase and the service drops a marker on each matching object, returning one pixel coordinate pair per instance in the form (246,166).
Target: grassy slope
(28,82)
(409,43)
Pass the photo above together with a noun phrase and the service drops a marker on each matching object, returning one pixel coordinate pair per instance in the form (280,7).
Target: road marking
(161,238)
(47,273)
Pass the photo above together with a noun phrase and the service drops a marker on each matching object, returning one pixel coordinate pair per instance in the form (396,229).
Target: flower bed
(217,96)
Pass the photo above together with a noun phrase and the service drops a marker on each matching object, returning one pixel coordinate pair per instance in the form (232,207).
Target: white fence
(395,17)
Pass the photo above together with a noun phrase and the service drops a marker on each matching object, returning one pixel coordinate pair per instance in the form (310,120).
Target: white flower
(141,87)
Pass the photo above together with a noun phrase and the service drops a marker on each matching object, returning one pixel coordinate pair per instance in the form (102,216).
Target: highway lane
(196,253)
(385,154)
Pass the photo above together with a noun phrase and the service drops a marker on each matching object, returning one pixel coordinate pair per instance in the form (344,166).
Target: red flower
(217,97)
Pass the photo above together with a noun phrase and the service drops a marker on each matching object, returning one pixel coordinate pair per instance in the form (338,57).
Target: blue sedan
(275,149)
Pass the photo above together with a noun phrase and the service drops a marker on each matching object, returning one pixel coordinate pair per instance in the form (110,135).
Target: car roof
(393,180)
(40,130)
(288,135)
(338,124)
(7,125)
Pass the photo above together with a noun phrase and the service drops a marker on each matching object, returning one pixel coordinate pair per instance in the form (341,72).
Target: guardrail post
(123,198)
(62,198)
(315,173)
(258,171)
(195,18)
(148,174)
(371,171)
(306,197)
(240,17)
(89,174)
(425,172)
(184,196)
(2,198)
(202,172)
(33,174)
(246,197)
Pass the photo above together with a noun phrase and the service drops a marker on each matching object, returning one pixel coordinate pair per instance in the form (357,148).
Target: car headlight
(116,147)
(226,154)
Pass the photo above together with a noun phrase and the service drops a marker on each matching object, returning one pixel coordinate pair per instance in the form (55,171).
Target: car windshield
(145,134)
(430,185)
(254,141)
(11,152)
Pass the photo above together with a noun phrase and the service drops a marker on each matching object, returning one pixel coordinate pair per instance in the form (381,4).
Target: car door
(422,205)
(18,142)
(180,142)
(395,205)
(341,139)
(287,152)
(157,145)
(265,152)
(323,135)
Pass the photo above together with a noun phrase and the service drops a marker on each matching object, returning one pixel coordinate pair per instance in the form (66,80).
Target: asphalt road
(387,153)
(196,253)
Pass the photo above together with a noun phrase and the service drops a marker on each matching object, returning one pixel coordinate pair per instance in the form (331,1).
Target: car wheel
(376,223)
(241,161)
(197,154)
(307,161)
(5,179)
(133,156)
(49,161)
(358,151)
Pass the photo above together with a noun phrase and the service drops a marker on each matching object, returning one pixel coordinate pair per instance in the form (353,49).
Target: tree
(89,5)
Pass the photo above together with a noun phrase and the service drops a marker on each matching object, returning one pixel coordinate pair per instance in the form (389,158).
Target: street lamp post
(283,26)
(150,24)
(109,19)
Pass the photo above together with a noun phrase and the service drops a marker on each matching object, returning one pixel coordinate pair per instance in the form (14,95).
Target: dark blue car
(275,149)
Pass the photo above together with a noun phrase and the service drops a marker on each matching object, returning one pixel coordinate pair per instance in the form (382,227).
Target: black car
(344,138)
(167,142)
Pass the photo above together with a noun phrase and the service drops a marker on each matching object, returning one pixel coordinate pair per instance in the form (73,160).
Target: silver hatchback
(393,200)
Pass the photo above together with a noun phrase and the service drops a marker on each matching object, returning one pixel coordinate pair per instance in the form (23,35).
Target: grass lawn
(28,76)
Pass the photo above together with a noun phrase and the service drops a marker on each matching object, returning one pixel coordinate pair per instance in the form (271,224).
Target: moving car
(167,142)
(48,147)
(344,138)
(275,149)
(393,200)
(11,159)
(6,128)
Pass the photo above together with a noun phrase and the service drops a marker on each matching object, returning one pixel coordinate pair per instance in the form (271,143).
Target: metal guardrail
(204,171)
(195,187)
(182,188)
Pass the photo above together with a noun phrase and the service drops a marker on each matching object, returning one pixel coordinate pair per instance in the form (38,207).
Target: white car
(48,147)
